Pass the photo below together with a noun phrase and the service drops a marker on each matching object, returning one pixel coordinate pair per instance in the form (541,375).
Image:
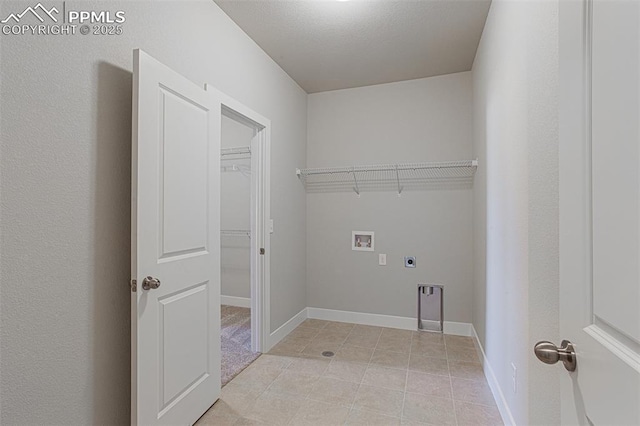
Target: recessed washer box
(409,261)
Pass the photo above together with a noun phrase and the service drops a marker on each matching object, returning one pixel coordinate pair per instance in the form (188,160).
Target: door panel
(176,239)
(599,209)
(615,149)
(184,176)
(184,356)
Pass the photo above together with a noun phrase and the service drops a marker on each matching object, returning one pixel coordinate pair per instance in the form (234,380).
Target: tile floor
(378,376)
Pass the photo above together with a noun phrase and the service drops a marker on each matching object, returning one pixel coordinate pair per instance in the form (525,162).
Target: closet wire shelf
(385,177)
(235,153)
(235,233)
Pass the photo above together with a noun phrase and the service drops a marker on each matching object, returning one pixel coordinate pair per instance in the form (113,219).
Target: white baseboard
(496,390)
(286,328)
(241,302)
(458,328)
(390,321)
(362,318)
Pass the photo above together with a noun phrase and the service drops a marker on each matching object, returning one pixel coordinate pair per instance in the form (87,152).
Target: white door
(176,240)
(600,210)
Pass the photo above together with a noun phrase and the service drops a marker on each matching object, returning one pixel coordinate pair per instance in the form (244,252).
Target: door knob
(150,283)
(549,353)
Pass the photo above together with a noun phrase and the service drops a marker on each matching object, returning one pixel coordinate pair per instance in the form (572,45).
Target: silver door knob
(150,283)
(549,353)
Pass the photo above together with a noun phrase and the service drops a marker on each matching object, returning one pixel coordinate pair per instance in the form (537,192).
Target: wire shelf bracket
(355,181)
(396,177)
(398,181)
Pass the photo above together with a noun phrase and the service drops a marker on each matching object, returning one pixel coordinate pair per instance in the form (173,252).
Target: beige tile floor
(378,376)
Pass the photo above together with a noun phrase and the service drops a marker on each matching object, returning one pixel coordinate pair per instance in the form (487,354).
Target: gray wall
(235,212)
(516,201)
(65,206)
(420,120)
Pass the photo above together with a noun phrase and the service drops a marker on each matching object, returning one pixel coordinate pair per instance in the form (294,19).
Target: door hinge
(134,285)
(262,251)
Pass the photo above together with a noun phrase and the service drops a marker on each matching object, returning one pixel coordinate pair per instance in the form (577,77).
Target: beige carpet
(235,338)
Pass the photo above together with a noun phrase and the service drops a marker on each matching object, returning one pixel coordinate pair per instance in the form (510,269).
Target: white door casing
(600,209)
(176,239)
(260,215)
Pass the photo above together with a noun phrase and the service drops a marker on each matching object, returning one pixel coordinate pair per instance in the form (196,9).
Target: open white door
(176,241)
(600,209)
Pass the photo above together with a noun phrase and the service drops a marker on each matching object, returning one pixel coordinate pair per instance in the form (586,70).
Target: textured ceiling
(329,44)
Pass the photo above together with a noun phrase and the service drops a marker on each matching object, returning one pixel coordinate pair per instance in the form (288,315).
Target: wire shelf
(385,177)
(235,153)
(235,233)
(244,170)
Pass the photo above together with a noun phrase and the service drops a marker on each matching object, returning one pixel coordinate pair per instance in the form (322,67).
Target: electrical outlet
(409,262)
(382,259)
(514,377)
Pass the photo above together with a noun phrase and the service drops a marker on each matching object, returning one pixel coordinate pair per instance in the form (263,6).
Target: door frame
(260,215)
(575,154)
(574,62)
